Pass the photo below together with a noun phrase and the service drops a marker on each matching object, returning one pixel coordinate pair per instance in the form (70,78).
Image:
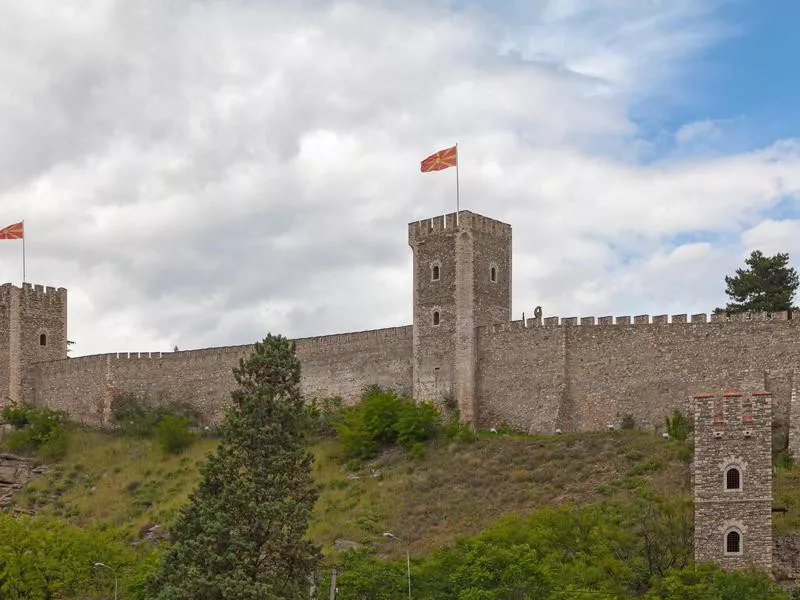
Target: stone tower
(732,474)
(462,280)
(33,328)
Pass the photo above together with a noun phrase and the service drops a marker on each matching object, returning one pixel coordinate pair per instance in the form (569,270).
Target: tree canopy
(767,284)
(242,534)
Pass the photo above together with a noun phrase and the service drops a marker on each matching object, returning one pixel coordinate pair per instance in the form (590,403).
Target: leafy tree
(767,285)
(709,582)
(43,558)
(242,533)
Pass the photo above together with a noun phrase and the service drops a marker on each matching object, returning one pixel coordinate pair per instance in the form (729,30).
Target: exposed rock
(341,544)
(15,471)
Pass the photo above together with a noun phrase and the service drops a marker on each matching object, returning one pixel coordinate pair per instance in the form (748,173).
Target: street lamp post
(408,560)
(114,571)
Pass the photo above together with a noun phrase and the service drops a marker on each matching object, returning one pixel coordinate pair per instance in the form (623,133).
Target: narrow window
(435,273)
(733,542)
(43,340)
(493,274)
(733,480)
(436,317)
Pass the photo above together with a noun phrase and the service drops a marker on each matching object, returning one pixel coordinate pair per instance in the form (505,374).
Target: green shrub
(454,430)
(174,434)
(16,415)
(383,418)
(323,415)
(136,416)
(679,426)
(38,429)
(784,459)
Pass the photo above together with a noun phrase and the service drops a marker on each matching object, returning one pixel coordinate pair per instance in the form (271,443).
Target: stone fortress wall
(537,375)
(331,365)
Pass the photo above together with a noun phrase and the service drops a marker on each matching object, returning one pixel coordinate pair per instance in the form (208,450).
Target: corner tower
(732,472)
(462,280)
(33,328)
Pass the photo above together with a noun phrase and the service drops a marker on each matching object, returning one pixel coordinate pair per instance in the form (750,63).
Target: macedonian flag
(12,232)
(441,160)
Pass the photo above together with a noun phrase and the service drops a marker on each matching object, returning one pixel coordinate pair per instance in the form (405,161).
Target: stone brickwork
(462,280)
(537,377)
(33,328)
(732,479)
(331,365)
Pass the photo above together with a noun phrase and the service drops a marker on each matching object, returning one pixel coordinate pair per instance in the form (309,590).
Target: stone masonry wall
(331,365)
(589,374)
(733,431)
(33,327)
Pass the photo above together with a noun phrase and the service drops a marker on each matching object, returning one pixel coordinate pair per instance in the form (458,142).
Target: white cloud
(197,173)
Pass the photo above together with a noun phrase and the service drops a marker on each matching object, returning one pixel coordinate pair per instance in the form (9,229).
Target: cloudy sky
(202,172)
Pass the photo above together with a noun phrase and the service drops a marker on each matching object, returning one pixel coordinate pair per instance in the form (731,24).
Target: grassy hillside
(455,489)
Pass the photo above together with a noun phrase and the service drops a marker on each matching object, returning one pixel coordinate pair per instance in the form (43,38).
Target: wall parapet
(45,294)
(390,333)
(466,221)
(638,321)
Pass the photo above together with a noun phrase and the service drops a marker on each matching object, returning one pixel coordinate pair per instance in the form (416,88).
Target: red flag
(440,160)
(12,232)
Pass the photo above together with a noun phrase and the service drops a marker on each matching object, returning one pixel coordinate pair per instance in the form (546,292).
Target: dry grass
(456,490)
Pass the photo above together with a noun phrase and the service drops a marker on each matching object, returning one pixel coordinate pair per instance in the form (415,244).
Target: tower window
(733,479)
(733,542)
(43,339)
(435,272)
(436,317)
(493,274)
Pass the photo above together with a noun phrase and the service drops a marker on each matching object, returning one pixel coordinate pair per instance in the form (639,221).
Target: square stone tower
(33,328)
(732,473)
(462,280)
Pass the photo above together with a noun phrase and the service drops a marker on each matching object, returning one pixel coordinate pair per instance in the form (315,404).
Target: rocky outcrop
(15,472)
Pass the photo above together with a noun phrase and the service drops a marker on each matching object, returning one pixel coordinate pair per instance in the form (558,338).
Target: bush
(784,459)
(135,416)
(383,418)
(16,415)
(679,426)
(323,415)
(628,422)
(174,434)
(37,429)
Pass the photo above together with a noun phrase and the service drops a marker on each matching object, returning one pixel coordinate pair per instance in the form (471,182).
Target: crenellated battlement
(637,320)
(33,293)
(733,410)
(325,341)
(467,220)
(336,339)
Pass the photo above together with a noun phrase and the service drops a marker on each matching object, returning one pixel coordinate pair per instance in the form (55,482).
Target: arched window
(493,273)
(435,272)
(43,339)
(733,479)
(436,317)
(733,542)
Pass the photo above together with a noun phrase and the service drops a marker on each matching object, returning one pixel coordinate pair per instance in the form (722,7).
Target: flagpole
(458,201)
(23,251)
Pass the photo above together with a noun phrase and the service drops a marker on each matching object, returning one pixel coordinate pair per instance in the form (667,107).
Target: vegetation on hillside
(484,515)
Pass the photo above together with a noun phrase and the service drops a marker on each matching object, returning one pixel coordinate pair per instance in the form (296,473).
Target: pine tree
(241,536)
(768,285)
